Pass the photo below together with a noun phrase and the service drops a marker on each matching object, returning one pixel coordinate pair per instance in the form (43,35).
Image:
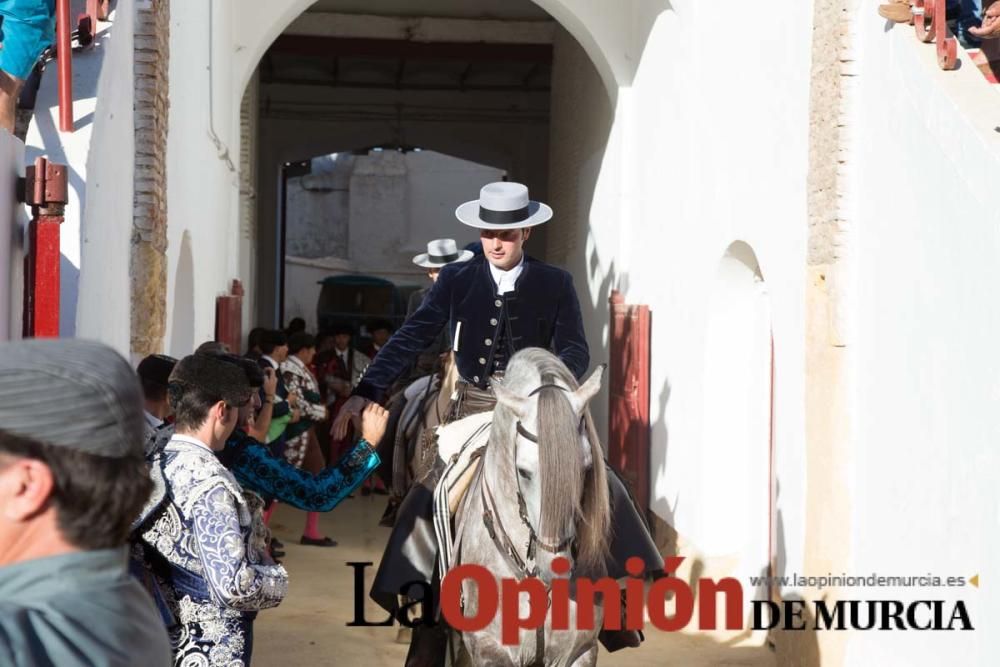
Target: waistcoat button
(488,342)
(498,303)
(493,321)
(482,361)
(475,378)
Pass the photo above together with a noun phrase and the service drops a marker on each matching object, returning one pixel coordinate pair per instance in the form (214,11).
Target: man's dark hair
(154,373)
(96,497)
(272,339)
(200,381)
(380,323)
(254,373)
(342,327)
(296,325)
(212,347)
(253,338)
(300,341)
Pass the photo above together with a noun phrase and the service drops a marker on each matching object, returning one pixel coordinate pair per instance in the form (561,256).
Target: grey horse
(541,492)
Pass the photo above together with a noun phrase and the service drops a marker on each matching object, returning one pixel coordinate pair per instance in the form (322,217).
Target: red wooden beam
(628,396)
(64,55)
(229,318)
(47,193)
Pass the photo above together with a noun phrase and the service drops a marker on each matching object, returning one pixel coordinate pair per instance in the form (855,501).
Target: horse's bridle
(501,539)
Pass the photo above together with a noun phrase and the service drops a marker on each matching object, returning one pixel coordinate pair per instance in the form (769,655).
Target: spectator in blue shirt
(27,27)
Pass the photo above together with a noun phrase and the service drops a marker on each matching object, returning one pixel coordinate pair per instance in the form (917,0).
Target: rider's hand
(373,422)
(352,408)
(293,399)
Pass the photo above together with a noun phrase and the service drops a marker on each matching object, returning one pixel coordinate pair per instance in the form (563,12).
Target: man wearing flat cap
(203,537)
(72,478)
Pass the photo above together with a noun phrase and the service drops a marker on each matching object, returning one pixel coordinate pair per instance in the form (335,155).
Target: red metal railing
(932,26)
(46,192)
(86,27)
(64,57)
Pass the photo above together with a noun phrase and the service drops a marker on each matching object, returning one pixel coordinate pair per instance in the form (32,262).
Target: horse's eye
(526,474)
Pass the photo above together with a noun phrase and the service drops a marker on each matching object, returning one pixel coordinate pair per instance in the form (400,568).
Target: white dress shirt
(505,279)
(153,421)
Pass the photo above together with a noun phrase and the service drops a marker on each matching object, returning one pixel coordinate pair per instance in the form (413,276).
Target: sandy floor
(309,628)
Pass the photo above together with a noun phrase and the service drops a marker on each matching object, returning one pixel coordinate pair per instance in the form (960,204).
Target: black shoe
(616,640)
(317,542)
(277,553)
(380,491)
(276,543)
(365,491)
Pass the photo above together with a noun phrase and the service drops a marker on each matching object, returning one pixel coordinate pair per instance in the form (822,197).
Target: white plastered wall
(204,240)
(927,317)
(12,222)
(95,235)
(698,155)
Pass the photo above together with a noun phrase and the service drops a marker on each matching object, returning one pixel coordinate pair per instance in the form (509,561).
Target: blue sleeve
(261,471)
(420,330)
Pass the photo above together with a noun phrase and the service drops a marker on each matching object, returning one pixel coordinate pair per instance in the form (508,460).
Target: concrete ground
(309,628)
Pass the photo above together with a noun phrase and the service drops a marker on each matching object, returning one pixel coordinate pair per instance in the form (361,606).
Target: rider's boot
(429,646)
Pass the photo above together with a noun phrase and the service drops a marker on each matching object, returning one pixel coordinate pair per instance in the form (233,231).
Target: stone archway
(259,23)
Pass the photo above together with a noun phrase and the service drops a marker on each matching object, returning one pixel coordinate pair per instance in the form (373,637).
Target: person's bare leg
(10,89)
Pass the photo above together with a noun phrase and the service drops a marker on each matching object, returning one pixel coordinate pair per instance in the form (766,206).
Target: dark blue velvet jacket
(543,311)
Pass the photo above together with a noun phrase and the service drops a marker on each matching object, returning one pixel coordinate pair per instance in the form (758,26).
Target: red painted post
(46,192)
(628,395)
(64,55)
(229,318)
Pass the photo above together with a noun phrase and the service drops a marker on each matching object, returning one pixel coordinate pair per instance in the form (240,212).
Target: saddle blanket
(460,444)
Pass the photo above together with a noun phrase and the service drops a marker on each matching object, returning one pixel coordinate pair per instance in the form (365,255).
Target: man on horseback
(494,306)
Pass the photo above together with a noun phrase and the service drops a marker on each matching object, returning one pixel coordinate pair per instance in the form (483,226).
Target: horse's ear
(517,404)
(587,390)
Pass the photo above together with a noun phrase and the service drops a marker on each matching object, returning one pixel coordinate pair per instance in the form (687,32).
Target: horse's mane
(561,459)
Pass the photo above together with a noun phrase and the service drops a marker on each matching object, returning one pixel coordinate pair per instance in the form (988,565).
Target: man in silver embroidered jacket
(201,541)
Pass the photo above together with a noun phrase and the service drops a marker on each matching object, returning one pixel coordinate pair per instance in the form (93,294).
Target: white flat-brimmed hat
(441,252)
(503,205)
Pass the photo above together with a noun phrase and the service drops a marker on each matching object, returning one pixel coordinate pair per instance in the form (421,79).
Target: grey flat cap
(71,393)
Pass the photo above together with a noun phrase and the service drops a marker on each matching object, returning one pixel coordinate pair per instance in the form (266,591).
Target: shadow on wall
(69,277)
(182,330)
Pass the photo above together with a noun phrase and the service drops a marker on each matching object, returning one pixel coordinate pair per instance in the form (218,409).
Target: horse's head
(545,426)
